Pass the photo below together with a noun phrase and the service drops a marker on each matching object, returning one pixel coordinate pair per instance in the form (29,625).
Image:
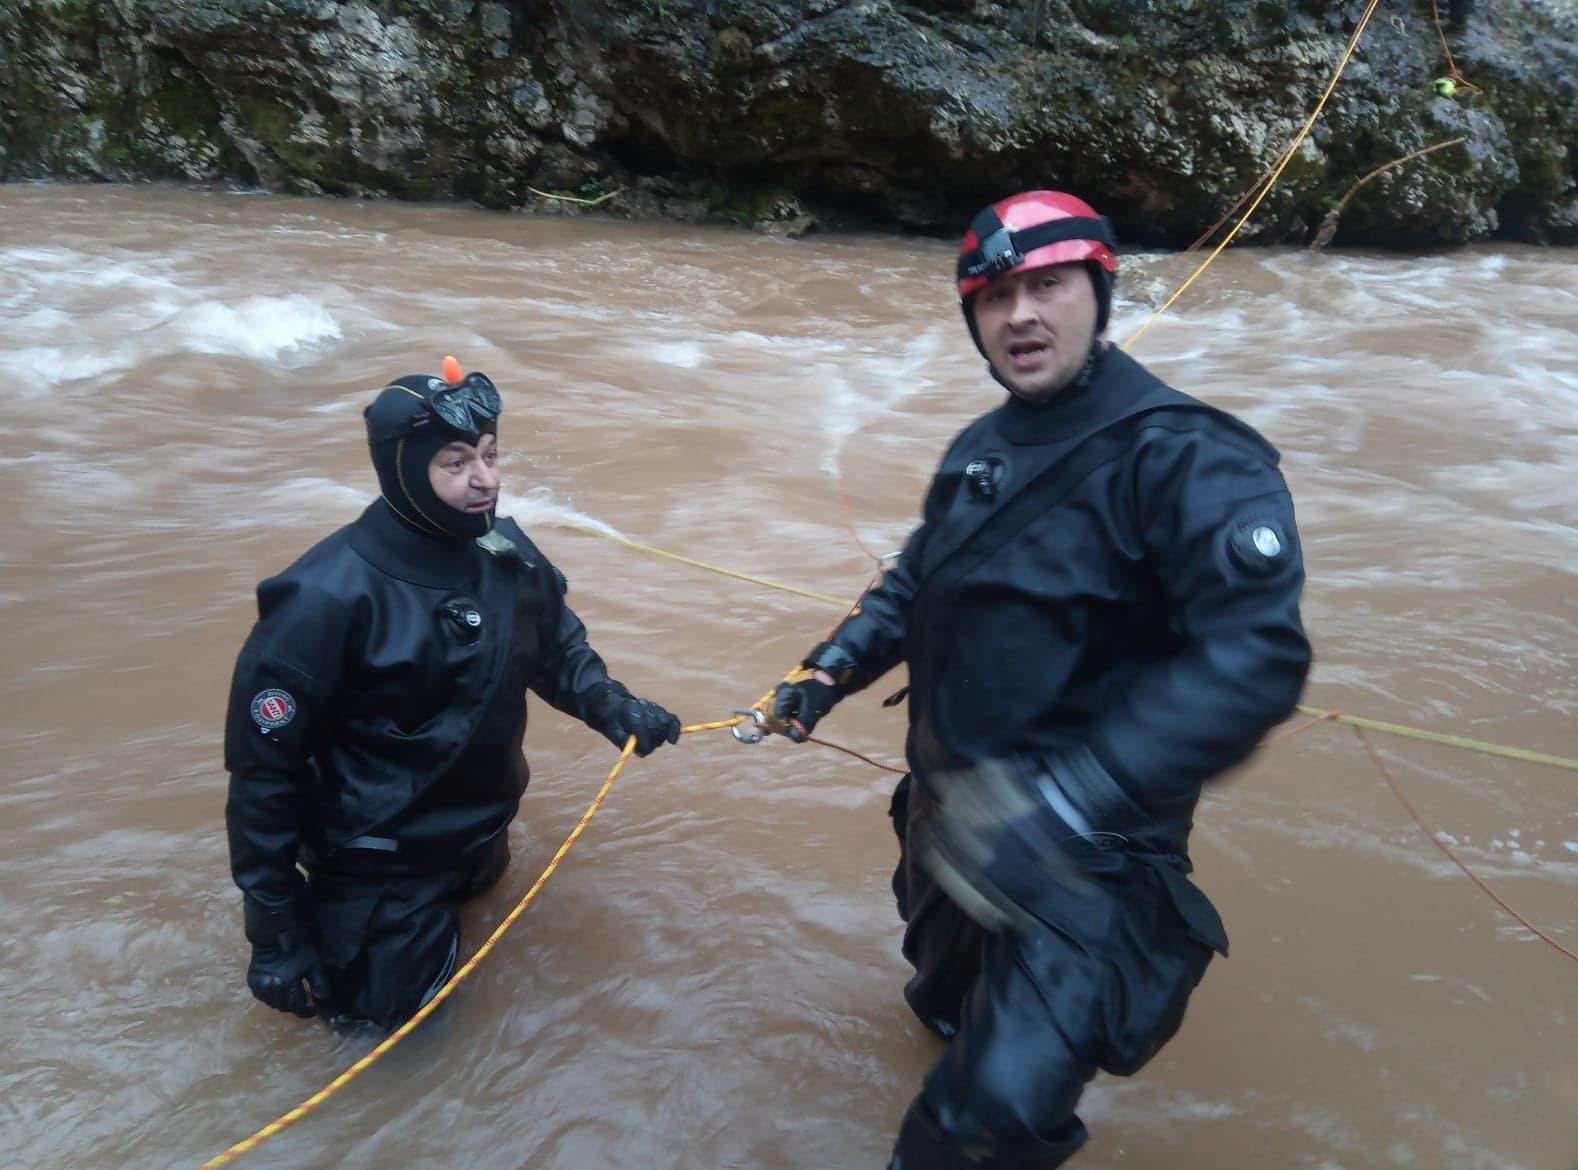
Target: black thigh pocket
(1150,975)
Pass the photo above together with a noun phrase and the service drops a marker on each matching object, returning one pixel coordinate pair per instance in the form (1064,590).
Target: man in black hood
(377,713)
(1099,612)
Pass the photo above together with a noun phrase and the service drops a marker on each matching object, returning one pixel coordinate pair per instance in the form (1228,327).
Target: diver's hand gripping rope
(760,720)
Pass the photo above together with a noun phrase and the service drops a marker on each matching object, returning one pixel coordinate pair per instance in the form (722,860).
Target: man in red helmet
(1099,612)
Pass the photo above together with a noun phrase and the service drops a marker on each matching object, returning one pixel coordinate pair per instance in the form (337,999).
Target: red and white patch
(273,708)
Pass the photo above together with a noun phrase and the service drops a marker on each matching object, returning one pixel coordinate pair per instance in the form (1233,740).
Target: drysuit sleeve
(1218,527)
(874,633)
(570,674)
(280,696)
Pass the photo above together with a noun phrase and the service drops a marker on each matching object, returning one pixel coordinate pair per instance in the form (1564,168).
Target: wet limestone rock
(792,113)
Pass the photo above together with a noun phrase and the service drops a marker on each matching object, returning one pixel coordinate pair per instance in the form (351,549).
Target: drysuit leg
(392,938)
(1046,1012)
(941,942)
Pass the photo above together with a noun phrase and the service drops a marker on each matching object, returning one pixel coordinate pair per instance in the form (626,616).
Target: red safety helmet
(1035,229)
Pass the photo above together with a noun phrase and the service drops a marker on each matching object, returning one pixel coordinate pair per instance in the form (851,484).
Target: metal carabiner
(752,732)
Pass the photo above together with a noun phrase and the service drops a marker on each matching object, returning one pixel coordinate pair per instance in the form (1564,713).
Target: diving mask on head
(412,419)
(468,406)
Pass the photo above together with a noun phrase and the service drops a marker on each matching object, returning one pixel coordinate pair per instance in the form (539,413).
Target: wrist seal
(269,926)
(832,658)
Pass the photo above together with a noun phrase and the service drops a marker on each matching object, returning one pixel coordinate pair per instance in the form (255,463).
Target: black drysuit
(1104,591)
(374,737)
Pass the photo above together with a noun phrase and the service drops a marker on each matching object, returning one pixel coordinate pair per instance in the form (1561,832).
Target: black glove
(799,705)
(642,718)
(285,971)
(1011,842)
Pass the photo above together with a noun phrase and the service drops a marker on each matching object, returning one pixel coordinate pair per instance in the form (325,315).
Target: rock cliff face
(905,113)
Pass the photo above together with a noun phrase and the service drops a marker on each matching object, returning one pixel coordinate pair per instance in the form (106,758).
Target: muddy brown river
(712,980)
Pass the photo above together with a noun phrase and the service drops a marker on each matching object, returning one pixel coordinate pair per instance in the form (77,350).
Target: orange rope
(1435,839)
(849,519)
(1237,203)
(1435,11)
(1284,736)
(1397,791)
(1275,168)
(312,1103)
(838,747)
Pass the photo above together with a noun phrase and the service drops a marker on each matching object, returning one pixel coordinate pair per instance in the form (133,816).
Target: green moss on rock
(903,112)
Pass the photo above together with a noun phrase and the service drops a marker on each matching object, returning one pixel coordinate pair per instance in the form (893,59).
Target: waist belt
(321,853)
(378,852)
(379,844)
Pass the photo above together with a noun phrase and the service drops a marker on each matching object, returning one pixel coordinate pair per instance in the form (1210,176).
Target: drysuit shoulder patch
(272,708)
(1260,544)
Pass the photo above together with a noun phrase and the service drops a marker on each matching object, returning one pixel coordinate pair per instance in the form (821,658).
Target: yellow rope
(1454,741)
(719,569)
(826,598)
(313,1102)
(1451,741)
(1287,157)
(1275,168)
